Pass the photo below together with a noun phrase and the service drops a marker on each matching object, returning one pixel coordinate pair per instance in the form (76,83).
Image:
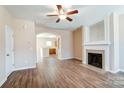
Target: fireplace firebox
(95,59)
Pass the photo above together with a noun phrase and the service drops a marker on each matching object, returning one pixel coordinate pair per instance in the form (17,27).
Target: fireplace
(95,59)
(103,50)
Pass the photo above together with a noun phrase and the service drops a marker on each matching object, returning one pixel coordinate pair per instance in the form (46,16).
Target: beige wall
(5,19)
(77,43)
(24,44)
(66,40)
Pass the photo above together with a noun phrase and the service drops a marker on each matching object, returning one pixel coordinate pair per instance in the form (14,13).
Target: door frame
(58,49)
(7,27)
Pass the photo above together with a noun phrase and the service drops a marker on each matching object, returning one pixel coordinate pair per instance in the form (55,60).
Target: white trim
(3,81)
(78,58)
(107,29)
(116,41)
(122,70)
(86,36)
(67,58)
(22,68)
(114,71)
(97,43)
(11,66)
(118,70)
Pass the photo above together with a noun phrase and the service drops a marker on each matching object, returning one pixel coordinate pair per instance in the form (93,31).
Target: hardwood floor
(52,73)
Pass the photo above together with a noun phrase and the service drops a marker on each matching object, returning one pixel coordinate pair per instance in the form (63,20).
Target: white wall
(121,41)
(97,32)
(24,43)
(66,40)
(5,19)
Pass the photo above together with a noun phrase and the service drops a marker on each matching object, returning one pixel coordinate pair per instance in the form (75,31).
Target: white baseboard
(122,70)
(67,58)
(22,68)
(77,58)
(114,71)
(3,81)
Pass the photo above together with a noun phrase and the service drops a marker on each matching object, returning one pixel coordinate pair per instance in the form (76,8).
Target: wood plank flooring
(52,73)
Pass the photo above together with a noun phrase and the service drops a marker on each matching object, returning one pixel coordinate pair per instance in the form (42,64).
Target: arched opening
(48,45)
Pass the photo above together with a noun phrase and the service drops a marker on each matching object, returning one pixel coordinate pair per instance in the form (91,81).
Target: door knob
(7,55)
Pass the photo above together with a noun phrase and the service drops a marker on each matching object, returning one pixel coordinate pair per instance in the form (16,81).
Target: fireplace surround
(100,49)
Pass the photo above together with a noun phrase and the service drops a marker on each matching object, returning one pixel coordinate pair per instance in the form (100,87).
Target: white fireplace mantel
(103,43)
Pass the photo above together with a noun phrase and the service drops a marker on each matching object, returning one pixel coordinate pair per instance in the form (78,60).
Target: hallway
(52,73)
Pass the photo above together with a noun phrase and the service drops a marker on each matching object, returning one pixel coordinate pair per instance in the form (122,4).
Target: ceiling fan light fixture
(68,10)
(62,17)
(63,13)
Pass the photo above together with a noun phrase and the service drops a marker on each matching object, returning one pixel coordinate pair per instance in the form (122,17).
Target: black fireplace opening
(95,59)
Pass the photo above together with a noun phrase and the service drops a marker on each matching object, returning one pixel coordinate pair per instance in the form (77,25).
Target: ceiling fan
(62,14)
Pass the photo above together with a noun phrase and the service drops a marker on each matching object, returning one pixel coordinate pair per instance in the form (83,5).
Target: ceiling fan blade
(57,20)
(59,7)
(72,12)
(52,15)
(69,19)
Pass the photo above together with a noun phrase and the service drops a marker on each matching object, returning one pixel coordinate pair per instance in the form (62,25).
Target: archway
(48,44)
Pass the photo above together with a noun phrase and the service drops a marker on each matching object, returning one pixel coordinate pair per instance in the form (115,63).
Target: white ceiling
(37,13)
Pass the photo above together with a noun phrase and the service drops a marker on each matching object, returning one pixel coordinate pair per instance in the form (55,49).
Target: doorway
(52,51)
(48,45)
(9,52)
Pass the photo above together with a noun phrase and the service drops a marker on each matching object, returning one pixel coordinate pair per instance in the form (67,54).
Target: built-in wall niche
(97,32)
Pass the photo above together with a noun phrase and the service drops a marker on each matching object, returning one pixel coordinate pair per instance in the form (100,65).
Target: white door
(9,54)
